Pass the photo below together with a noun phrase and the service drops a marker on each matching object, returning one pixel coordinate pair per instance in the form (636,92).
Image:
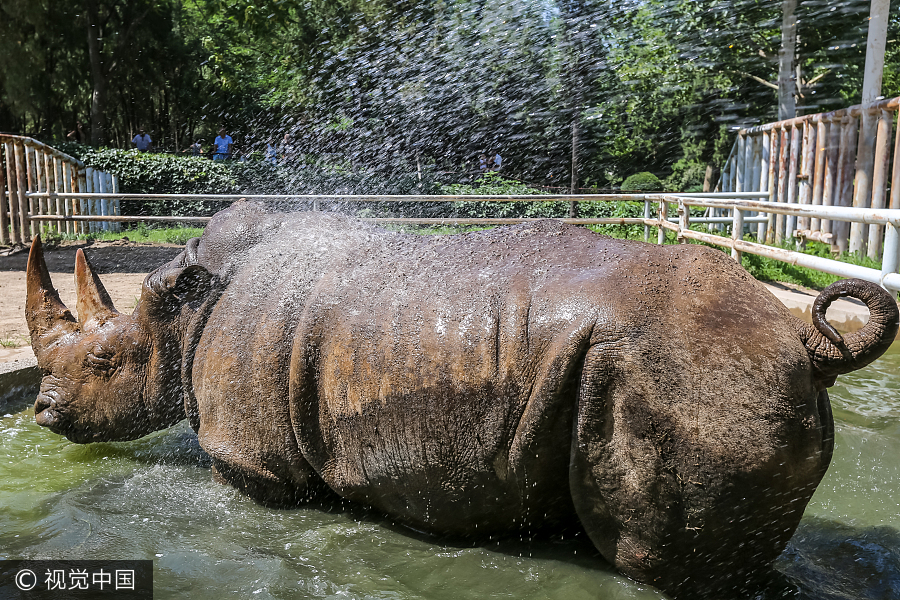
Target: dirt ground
(122,266)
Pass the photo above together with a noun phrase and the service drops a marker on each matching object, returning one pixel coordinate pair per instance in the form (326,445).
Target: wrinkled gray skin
(511,380)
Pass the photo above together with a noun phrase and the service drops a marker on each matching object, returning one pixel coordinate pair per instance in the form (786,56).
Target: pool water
(154,498)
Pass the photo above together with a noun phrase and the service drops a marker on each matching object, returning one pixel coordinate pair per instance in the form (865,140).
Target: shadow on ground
(105,257)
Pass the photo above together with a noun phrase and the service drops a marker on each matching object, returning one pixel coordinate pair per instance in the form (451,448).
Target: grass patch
(14,341)
(767,269)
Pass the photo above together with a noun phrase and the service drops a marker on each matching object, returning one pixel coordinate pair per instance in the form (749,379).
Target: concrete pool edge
(19,379)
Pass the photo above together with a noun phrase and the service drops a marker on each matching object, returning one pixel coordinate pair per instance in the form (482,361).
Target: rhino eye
(101,363)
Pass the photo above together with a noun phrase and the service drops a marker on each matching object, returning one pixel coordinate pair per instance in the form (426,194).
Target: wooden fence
(839,158)
(27,166)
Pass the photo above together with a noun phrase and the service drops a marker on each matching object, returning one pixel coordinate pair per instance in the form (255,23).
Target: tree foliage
(391,95)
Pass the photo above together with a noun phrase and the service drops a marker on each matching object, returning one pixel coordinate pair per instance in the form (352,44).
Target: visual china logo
(40,579)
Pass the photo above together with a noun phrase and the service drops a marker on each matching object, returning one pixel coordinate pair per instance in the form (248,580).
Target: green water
(154,498)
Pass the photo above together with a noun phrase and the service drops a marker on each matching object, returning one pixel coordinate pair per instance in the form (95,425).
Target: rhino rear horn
(44,311)
(93,299)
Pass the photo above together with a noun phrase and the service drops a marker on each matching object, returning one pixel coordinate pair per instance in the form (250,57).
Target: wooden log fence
(839,158)
(32,174)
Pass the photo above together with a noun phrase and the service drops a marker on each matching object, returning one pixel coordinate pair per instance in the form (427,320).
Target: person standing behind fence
(271,152)
(142,141)
(222,145)
(495,162)
(196,149)
(288,150)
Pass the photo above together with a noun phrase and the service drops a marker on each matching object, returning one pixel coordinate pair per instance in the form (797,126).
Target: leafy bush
(492,184)
(687,176)
(622,209)
(150,173)
(642,182)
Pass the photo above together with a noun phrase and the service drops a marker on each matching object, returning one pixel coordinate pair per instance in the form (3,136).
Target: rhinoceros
(515,380)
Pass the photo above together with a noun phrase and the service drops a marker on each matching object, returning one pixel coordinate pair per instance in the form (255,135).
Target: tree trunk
(787,108)
(98,76)
(709,177)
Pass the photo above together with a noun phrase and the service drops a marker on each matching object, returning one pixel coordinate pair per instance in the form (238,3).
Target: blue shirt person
(271,152)
(222,145)
(142,141)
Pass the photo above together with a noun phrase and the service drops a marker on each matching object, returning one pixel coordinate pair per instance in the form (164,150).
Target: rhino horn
(93,300)
(45,313)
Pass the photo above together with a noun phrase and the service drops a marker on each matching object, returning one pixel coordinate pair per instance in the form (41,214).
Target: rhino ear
(175,286)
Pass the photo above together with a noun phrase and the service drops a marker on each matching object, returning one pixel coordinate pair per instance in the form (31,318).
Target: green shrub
(642,182)
(150,173)
(492,184)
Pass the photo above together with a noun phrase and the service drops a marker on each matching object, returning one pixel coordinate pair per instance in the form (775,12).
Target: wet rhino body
(502,381)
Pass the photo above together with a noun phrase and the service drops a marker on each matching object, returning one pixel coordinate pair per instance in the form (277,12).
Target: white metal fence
(656,215)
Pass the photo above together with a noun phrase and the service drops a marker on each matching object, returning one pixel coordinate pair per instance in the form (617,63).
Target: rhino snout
(46,412)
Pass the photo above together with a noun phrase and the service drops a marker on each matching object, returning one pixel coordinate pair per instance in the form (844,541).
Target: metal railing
(656,215)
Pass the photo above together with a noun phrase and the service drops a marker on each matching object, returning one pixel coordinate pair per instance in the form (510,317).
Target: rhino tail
(833,354)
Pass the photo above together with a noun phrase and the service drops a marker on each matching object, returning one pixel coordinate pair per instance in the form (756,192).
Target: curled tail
(833,354)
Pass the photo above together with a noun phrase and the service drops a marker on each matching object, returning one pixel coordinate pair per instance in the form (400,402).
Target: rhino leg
(699,507)
(267,488)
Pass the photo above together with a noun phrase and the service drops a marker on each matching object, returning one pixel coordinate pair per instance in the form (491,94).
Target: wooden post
(737,233)
(774,153)
(764,162)
(646,213)
(832,174)
(819,169)
(895,172)
(79,185)
(32,186)
(86,204)
(663,216)
(67,179)
(684,221)
(38,204)
(783,164)
(4,199)
(102,205)
(47,203)
(95,202)
(22,188)
(808,152)
(862,186)
(879,179)
(844,186)
(12,184)
(790,223)
(118,202)
(57,187)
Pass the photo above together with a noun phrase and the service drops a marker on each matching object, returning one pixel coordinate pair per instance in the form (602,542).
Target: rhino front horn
(44,311)
(93,299)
